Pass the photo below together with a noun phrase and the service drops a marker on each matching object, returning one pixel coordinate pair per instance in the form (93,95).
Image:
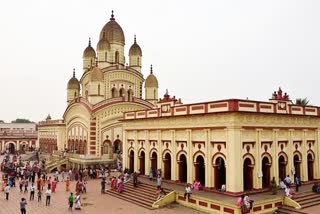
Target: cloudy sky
(200,50)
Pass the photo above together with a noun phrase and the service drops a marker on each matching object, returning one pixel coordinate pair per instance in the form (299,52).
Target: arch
(131,161)
(130,95)
(114,92)
(310,158)
(11,146)
(250,156)
(266,164)
(195,156)
(98,89)
(298,154)
(247,173)
(219,171)
(105,147)
(267,154)
(151,151)
(180,153)
(116,57)
(282,166)
(75,94)
(167,166)
(183,169)
(165,152)
(117,146)
(217,155)
(121,92)
(284,155)
(141,150)
(311,153)
(142,159)
(105,56)
(296,163)
(199,165)
(154,160)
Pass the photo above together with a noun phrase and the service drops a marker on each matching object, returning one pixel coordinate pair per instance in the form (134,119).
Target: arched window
(116,57)
(75,94)
(121,92)
(99,90)
(154,94)
(105,56)
(130,94)
(138,61)
(86,94)
(113,92)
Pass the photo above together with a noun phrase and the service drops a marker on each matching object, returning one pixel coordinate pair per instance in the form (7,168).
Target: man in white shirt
(48,197)
(287,181)
(32,189)
(7,191)
(187,191)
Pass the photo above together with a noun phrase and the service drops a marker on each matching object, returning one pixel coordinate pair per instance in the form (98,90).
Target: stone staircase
(143,195)
(305,199)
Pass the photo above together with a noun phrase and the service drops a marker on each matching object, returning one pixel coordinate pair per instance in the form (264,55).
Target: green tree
(21,120)
(302,102)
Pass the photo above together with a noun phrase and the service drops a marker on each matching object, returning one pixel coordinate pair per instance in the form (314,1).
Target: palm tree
(302,102)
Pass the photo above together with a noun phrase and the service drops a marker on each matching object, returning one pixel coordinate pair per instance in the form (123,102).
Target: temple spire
(151,70)
(74,72)
(135,39)
(89,42)
(112,16)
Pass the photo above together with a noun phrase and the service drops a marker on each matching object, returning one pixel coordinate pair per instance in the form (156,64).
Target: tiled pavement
(93,202)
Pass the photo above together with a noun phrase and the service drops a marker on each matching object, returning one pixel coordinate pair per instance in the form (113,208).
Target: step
(288,210)
(311,204)
(302,195)
(133,201)
(306,198)
(136,194)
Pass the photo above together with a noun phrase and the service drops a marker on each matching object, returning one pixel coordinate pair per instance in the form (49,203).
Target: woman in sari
(77,202)
(120,185)
(68,184)
(54,185)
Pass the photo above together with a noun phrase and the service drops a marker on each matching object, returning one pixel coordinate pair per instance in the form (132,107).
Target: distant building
(18,136)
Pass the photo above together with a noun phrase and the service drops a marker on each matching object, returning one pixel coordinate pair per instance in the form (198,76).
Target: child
(39,195)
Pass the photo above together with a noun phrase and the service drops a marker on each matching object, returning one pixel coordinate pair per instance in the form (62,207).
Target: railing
(51,122)
(19,133)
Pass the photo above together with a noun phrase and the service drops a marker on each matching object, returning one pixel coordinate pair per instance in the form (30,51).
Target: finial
(151,70)
(89,42)
(135,38)
(112,16)
(74,72)
(96,61)
(167,92)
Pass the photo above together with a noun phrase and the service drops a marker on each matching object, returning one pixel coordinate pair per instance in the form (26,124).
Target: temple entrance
(183,168)
(282,167)
(310,167)
(154,161)
(142,163)
(296,162)
(167,166)
(131,161)
(200,174)
(247,174)
(219,173)
(265,172)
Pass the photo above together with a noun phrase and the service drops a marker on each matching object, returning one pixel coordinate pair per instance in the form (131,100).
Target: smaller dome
(48,117)
(89,52)
(73,82)
(151,80)
(103,44)
(96,74)
(135,49)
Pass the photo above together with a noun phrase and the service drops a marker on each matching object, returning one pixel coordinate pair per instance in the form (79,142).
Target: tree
(1,121)
(302,102)
(21,120)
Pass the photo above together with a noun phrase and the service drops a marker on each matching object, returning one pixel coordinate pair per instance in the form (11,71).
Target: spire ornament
(151,70)
(112,16)
(135,39)
(74,73)
(89,42)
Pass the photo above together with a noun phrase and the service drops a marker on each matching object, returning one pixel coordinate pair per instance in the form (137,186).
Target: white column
(147,157)
(125,163)
(208,164)
(190,164)
(274,166)
(290,164)
(174,169)
(136,149)
(304,161)
(257,182)
(159,160)
(317,154)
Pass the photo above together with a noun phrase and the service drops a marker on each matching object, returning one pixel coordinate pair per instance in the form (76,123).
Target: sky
(200,50)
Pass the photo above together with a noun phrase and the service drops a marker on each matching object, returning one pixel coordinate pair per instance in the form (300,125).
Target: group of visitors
(245,203)
(286,185)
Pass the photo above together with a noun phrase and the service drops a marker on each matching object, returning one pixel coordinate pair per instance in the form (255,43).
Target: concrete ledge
(291,203)
(167,199)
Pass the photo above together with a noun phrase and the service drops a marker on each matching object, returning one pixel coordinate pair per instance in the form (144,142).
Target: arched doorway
(265,172)
(282,167)
(11,148)
(117,146)
(200,174)
(296,162)
(154,161)
(219,173)
(183,168)
(310,167)
(247,174)
(131,161)
(167,166)
(142,159)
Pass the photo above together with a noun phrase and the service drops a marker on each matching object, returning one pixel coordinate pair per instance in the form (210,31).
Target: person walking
(62,175)
(135,179)
(159,181)
(70,200)
(23,204)
(26,183)
(7,191)
(77,205)
(32,189)
(297,183)
(48,197)
(68,184)
(21,184)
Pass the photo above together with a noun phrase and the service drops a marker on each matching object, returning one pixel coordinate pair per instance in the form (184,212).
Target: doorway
(167,166)
(247,174)
(282,167)
(265,172)
(310,167)
(200,170)
(183,168)
(131,161)
(142,162)
(219,173)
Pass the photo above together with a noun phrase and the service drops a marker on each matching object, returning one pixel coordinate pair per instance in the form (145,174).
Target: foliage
(1,121)
(302,102)
(21,120)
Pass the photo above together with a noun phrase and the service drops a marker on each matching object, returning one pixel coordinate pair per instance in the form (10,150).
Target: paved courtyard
(93,202)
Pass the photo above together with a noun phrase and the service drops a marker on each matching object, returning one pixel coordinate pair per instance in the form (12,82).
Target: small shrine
(280,96)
